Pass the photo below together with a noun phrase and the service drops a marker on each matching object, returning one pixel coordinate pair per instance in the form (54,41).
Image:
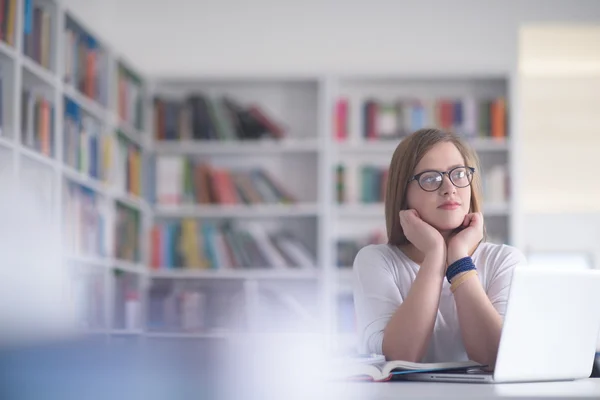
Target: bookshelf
(201,134)
(122,163)
(58,138)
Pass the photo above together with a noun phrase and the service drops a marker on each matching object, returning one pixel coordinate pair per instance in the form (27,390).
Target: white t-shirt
(383,275)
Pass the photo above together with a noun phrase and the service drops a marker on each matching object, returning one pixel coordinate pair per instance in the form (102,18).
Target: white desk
(580,389)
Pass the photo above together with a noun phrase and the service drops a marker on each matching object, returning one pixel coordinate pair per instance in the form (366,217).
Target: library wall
(323,35)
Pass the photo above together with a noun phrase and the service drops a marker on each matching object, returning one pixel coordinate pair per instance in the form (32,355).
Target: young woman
(436,291)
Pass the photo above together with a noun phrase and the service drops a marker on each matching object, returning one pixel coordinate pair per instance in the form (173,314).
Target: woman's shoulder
(495,255)
(382,255)
(373,252)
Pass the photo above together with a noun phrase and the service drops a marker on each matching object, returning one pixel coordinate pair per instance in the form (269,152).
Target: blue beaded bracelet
(462,265)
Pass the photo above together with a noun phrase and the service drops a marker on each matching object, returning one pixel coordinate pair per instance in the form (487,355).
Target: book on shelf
(190,309)
(85,225)
(203,117)
(37,33)
(88,297)
(84,145)
(85,62)
(128,169)
(496,185)
(371,184)
(180,180)
(8,20)
(347,248)
(130,100)
(206,245)
(37,122)
(127,304)
(3,129)
(356,369)
(127,233)
(177,309)
(341,114)
(393,119)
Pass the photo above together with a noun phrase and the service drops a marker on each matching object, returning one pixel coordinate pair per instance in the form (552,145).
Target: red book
(372,116)
(341,120)
(275,129)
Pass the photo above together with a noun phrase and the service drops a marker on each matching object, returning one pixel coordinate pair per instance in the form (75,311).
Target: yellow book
(107,154)
(10,26)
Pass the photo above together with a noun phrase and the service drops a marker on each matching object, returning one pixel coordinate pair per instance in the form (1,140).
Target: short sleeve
(376,297)
(504,263)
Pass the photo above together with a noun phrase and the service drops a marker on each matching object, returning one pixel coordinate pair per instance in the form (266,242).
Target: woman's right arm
(400,328)
(407,334)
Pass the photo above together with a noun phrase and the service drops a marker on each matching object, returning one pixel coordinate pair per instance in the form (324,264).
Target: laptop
(550,329)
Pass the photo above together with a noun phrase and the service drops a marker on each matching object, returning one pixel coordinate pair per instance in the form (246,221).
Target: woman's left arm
(480,314)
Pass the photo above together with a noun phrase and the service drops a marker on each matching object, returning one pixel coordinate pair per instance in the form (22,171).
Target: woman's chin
(446,224)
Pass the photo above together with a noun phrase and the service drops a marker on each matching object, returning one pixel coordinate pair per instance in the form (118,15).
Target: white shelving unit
(47,173)
(304,161)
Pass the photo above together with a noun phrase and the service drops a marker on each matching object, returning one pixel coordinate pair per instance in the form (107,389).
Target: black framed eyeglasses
(431,180)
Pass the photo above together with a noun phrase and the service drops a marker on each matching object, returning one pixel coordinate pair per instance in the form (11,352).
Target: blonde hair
(402,167)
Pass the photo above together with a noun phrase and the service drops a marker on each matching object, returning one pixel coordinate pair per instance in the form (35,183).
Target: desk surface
(580,389)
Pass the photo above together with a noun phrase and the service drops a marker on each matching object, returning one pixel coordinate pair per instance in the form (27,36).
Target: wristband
(461,279)
(462,265)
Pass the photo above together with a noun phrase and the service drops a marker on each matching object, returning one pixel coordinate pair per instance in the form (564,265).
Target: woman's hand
(423,236)
(461,244)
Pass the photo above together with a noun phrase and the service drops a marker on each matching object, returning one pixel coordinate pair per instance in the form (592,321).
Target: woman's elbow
(400,351)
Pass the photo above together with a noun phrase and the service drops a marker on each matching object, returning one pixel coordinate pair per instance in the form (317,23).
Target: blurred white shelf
(191,335)
(132,201)
(489,144)
(242,274)
(7,142)
(238,211)
(90,106)
(238,147)
(7,50)
(128,266)
(84,180)
(130,132)
(388,146)
(38,71)
(88,260)
(36,156)
(377,210)
(126,332)
(91,331)
(358,210)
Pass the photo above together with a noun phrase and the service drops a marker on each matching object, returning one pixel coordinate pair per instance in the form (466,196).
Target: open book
(385,370)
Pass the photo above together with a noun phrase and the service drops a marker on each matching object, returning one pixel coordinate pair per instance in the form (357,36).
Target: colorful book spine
(83,142)
(202,245)
(181,181)
(201,117)
(469,117)
(37,122)
(129,97)
(37,26)
(127,233)
(85,62)
(129,166)
(84,222)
